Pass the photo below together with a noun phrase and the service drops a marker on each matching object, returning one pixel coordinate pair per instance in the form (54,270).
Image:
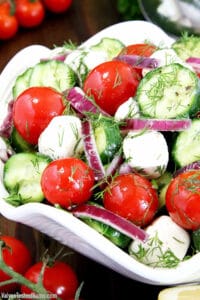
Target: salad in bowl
(100,147)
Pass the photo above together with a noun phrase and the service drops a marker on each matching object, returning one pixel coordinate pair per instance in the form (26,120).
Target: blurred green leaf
(129,9)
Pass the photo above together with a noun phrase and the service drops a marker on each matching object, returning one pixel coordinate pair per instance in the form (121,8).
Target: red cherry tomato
(33,110)
(132,197)
(17,256)
(183,199)
(57,6)
(142,49)
(110,84)
(8,22)
(30,13)
(59,279)
(67,182)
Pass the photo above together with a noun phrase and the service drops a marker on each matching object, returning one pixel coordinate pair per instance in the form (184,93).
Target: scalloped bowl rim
(69,230)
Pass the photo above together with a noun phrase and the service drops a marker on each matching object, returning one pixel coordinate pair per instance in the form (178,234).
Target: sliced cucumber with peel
(51,73)
(169,92)
(21,177)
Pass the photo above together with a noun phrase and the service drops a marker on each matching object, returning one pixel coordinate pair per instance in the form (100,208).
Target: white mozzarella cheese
(146,152)
(61,138)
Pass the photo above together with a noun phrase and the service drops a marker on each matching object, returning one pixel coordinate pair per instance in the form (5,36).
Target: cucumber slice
(108,138)
(53,73)
(18,143)
(109,45)
(22,175)
(187,46)
(186,147)
(169,92)
(22,82)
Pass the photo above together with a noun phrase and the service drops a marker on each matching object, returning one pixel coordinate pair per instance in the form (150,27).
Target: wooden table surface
(83,19)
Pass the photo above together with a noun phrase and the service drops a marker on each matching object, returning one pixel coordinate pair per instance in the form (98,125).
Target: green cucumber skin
(108,139)
(186,145)
(52,73)
(110,45)
(157,99)
(18,143)
(187,46)
(21,177)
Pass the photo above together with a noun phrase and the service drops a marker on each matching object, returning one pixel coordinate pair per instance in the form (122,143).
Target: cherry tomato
(132,197)
(33,110)
(59,279)
(17,256)
(57,6)
(67,182)
(30,13)
(142,49)
(110,84)
(8,22)
(183,199)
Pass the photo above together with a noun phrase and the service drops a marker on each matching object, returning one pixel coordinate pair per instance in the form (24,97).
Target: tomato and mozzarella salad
(110,133)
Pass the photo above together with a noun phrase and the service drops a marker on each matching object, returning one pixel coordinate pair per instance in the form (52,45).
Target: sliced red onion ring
(82,103)
(156,124)
(192,166)
(139,61)
(194,62)
(6,126)
(125,168)
(91,152)
(114,164)
(109,218)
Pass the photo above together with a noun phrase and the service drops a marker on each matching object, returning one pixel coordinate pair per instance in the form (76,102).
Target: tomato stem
(38,287)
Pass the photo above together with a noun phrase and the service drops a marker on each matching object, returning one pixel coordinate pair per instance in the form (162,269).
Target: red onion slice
(192,166)
(156,124)
(109,218)
(91,152)
(82,103)
(114,164)
(194,62)
(139,61)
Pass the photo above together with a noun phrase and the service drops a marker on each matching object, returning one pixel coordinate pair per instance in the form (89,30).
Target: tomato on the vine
(30,13)
(67,182)
(110,84)
(133,197)
(8,21)
(59,279)
(34,109)
(183,199)
(57,6)
(17,256)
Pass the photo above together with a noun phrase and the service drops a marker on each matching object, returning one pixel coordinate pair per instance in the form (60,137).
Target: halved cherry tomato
(67,182)
(111,84)
(57,6)
(59,279)
(8,22)
(34,109)
(30,13)
(142,49)
(17,256)
(183,199)
(133,197)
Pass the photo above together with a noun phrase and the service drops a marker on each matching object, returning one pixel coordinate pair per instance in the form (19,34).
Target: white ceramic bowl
(61,225)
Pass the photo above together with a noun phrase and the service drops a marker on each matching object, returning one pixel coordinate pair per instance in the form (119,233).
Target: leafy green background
(129,10)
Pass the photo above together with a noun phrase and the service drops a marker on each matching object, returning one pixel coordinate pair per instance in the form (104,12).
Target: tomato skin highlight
(67,182)
(59,279)
(17,256)
(183,199)
(132,197)
(34,109)
(29,13)
(111,84)
(57,6)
